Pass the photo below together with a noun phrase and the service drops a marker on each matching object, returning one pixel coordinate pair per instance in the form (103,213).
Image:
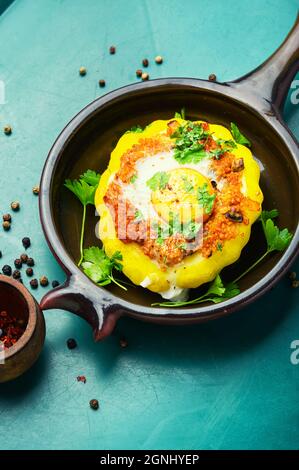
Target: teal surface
(223,385)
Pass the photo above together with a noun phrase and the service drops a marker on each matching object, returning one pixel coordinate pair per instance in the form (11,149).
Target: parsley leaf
(91,177)
(84,189)
(205,199)
(138,216)
(239,138)
(98,266)
(188,186)
(158,181)
(217,292)
(133,178)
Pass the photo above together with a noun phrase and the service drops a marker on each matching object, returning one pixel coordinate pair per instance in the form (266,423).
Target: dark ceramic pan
(254,102)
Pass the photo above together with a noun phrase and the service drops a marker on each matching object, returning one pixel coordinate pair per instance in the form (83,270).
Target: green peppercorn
(15,205)
(82,71)
(6,225)
(43,281)
(7,130)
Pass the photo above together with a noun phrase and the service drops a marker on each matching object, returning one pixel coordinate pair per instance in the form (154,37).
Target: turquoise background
(223,385)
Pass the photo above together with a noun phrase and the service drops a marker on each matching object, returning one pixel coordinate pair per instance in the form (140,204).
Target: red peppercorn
(212,77)
(34,283)
(94,404)
(11,329)
(112,50)
(29,272)
(145,62)
(138,73)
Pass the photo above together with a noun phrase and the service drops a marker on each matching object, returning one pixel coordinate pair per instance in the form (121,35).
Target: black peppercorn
(30,262)
(43,281)
(145,62)
(123,343)
(24,258)
(212,77)
(26,242)
(6,225)
(55,284)
(94,404)
(18,263)
(15,205)
(0,254)
(71,343)
(34,283)
(29,272)
(6,218)
(6,270)
(102,83)
(16,274)
(112,49)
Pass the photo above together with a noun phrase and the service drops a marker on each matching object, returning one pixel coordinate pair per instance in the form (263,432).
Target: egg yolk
(187,195)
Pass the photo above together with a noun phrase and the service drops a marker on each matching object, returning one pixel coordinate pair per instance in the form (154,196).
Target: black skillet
(254,102)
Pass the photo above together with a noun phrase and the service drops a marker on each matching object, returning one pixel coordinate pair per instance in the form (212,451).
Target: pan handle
(272,79)
(96,308)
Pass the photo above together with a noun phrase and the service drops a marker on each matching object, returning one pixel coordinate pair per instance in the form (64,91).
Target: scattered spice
(6,270)
(24,258)
(145,62)
(81,378)
(123,343)
(15,205)
(29,272)
(94,404)
(18,263)
(295,284)
(102,83)
(292,276)
(82,71)
(35,190)
(26,242)
(6,218)
(158,59)
(16,274)
(6,225)
(71,343)
(112,50)
(212,77)
(138,73)
(11,329)
(44,281)
(30,262)
(7,130)
(34,283)
(55,284)
(145,76)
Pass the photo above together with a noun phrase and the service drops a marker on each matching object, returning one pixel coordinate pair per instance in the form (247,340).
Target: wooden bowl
(15,298)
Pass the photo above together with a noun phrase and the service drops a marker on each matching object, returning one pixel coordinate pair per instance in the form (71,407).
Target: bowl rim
(32,315)
(243,98)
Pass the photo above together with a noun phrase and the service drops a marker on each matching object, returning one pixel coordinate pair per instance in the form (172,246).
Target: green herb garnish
(205,199)
(188,186)
(138,216)
(133,178)
(180,115)
(188,148)
(277,240)
(98,266)
(217,292)
(84,188)
(135,129)
(158,181)
(239,138)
